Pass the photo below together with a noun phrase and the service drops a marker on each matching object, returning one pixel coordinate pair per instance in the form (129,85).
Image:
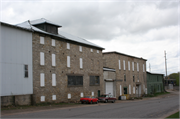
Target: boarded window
(53,60)
(129,89)
(97,51)
(133,66)
(42,58)
(80,48)
(41,40)
(94,80)
(143,67)
(137,66)
(53,97)
(75,80)
(81,63)
(42,98)
(68,61)
(53,79)
(68,46)
(91,50)
(42,79)
(53,42)
(119,64)
(26,71)
(129,65)
(124,64)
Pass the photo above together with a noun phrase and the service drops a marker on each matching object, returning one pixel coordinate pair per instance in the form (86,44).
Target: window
(91,50)
(26,71)
(137,66)
(124,64)
(97,51)
(92,93)
(42,58)
(41,40)
(53,60)
(80,48)
(53,79)
(81,63)
(133,90)
(143,67)
(53,97)
(68,61)
(94,80)
(53,42)
(119,64)
(133,66)
(129,89)
(42,79)
(68,46)
(129,65)
(42,98)
(75,80)
(124,77)
(69,96)
(133,79)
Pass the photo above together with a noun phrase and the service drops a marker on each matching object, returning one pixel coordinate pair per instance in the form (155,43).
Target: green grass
(156,94)
(175,115)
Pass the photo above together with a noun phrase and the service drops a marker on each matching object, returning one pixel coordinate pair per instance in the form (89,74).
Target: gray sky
(138,28)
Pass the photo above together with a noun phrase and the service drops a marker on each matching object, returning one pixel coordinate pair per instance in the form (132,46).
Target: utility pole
(165,63)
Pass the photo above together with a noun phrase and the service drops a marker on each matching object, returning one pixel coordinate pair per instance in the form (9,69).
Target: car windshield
(103,96)
(86,96)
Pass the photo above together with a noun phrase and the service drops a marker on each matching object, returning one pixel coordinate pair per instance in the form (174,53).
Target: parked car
(89,99)
(106,97)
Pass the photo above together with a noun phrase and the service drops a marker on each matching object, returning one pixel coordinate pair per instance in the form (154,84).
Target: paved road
(153,108)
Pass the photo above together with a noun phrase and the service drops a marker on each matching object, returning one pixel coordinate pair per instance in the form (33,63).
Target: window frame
(94,80)
(75,76)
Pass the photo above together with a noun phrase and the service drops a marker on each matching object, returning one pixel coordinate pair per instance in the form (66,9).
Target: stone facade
(92,66)
(138,86)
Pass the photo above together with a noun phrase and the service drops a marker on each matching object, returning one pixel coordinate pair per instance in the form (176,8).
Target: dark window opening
(125,77)
(75,80)
(94,80)
(133,79)
(26,71)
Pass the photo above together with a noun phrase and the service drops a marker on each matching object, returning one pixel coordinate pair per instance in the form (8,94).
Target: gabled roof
(114,52)
(66,36)
(154,73)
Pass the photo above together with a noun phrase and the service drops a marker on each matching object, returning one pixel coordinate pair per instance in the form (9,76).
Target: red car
(89,99)
(106,97)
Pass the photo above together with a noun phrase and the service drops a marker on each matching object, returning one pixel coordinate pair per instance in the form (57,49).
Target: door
(98,93)
(109,88)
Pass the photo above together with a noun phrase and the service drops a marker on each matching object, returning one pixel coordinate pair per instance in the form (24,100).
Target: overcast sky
(138,28)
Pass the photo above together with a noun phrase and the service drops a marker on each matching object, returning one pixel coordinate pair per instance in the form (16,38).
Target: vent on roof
(47,27)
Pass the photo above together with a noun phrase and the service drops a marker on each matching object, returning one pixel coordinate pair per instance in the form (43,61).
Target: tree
(175,76)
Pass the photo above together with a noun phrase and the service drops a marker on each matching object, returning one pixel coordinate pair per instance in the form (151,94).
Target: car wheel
(81,102)
(106,101)
(97,102)
(91,102)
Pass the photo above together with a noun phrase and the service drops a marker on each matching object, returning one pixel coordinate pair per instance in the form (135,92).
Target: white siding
(53,79)
(68,46)
(124,65)
(68,61)
(53,42)
(15,52)
(80,48)
(53,60)
(41,40)
(42,79)
(81,63)
(119,64)
(42,61)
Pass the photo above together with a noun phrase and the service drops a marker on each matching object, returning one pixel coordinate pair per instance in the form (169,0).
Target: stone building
(65,67)
(130,73)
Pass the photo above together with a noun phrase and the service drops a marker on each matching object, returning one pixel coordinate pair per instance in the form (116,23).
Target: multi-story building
(130,74)
(62,67)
